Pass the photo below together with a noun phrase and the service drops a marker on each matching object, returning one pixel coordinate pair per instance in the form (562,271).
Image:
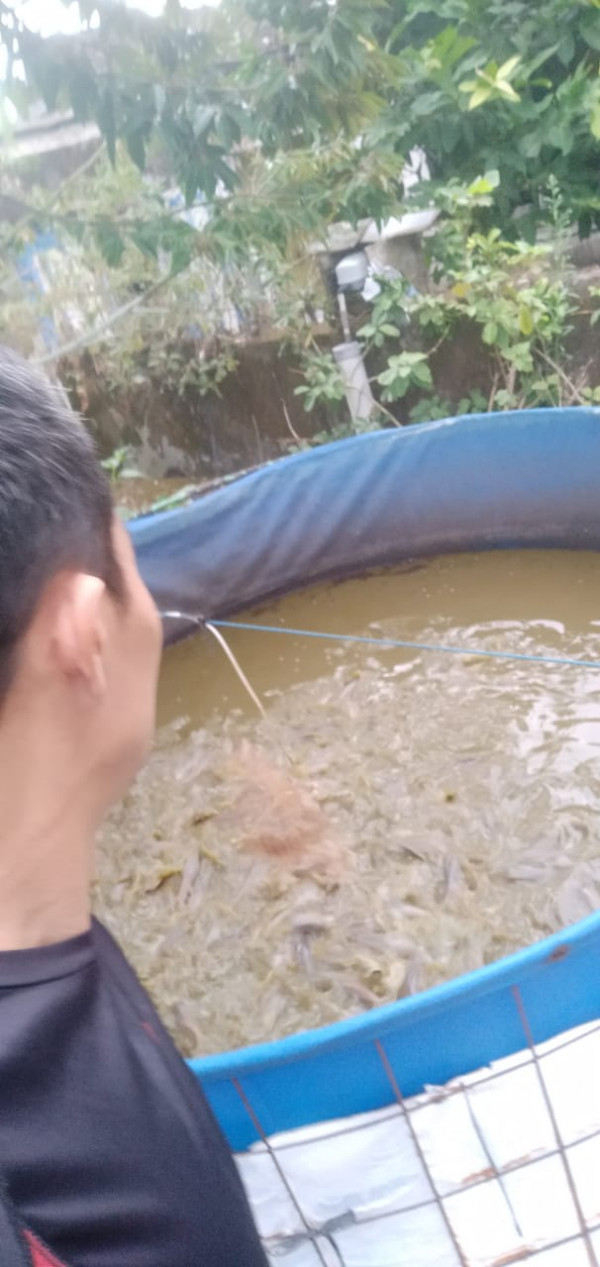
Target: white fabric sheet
(487,1185)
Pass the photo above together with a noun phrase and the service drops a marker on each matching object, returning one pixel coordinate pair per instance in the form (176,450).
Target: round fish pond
(415,804)
(398,816)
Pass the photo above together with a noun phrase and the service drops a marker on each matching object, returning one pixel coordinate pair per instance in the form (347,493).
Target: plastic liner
(480,482)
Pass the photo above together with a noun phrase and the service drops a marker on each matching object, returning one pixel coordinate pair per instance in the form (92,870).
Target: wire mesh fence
(498,1167)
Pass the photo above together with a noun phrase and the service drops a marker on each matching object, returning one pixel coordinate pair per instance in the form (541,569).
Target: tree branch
(565,377)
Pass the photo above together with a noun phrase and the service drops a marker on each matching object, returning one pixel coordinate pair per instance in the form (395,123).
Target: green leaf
(539,59)
(181,250)
(589,25)
(450,46)
(530,144)
(109,242)
(566,49)
(391,331)
(489,333)
(223,171)
(505,399)
(422,375)
(526,323)
(192,180)
(507,70)
(395,390)
(484,184)
(481,94)
(146,237)
(136,147)
(507,90)
(561,137)
(520,356)
(595,116)
(82,90)
(203,119)
(228,129)
(76,228)
(425,103)
(407,369)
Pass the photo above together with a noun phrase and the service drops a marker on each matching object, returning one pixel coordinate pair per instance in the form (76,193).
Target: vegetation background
(235,136)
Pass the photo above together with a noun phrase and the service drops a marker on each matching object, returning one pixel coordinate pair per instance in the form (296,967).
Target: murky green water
(397,819)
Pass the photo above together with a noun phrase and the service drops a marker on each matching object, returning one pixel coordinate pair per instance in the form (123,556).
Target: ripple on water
(460,793)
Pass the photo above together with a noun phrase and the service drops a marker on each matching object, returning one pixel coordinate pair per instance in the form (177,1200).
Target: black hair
(55,503)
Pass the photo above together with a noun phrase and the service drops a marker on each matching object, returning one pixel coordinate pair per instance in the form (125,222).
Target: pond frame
(522,479)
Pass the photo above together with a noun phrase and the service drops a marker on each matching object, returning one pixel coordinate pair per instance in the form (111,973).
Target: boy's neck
(32,915)
(46,843)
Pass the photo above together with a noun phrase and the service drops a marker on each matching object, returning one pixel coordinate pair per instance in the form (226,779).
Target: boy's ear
(74,620)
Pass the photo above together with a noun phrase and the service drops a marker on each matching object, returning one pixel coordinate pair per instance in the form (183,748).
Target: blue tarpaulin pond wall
(523,479)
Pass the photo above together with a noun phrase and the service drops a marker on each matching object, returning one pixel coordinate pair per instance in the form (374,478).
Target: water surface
(443,809)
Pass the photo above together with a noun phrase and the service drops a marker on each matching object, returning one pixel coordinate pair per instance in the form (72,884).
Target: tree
(506,84)
(284,116)
(287,114)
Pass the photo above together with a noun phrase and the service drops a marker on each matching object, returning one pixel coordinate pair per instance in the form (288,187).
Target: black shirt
(107,1145)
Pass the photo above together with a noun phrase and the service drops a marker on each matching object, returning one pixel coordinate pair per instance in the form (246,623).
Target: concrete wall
(199,436)
(204,436)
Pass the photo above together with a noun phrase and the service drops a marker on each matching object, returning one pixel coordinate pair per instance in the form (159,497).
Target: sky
(48,17)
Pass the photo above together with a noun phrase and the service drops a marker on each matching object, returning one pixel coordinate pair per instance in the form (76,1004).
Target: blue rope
(411,646)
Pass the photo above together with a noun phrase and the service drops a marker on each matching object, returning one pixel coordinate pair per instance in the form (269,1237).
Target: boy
(109,1154)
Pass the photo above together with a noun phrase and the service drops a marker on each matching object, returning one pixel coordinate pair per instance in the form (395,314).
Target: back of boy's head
(55,503)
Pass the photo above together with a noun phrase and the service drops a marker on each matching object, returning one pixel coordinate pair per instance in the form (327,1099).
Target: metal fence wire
(501,1166)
